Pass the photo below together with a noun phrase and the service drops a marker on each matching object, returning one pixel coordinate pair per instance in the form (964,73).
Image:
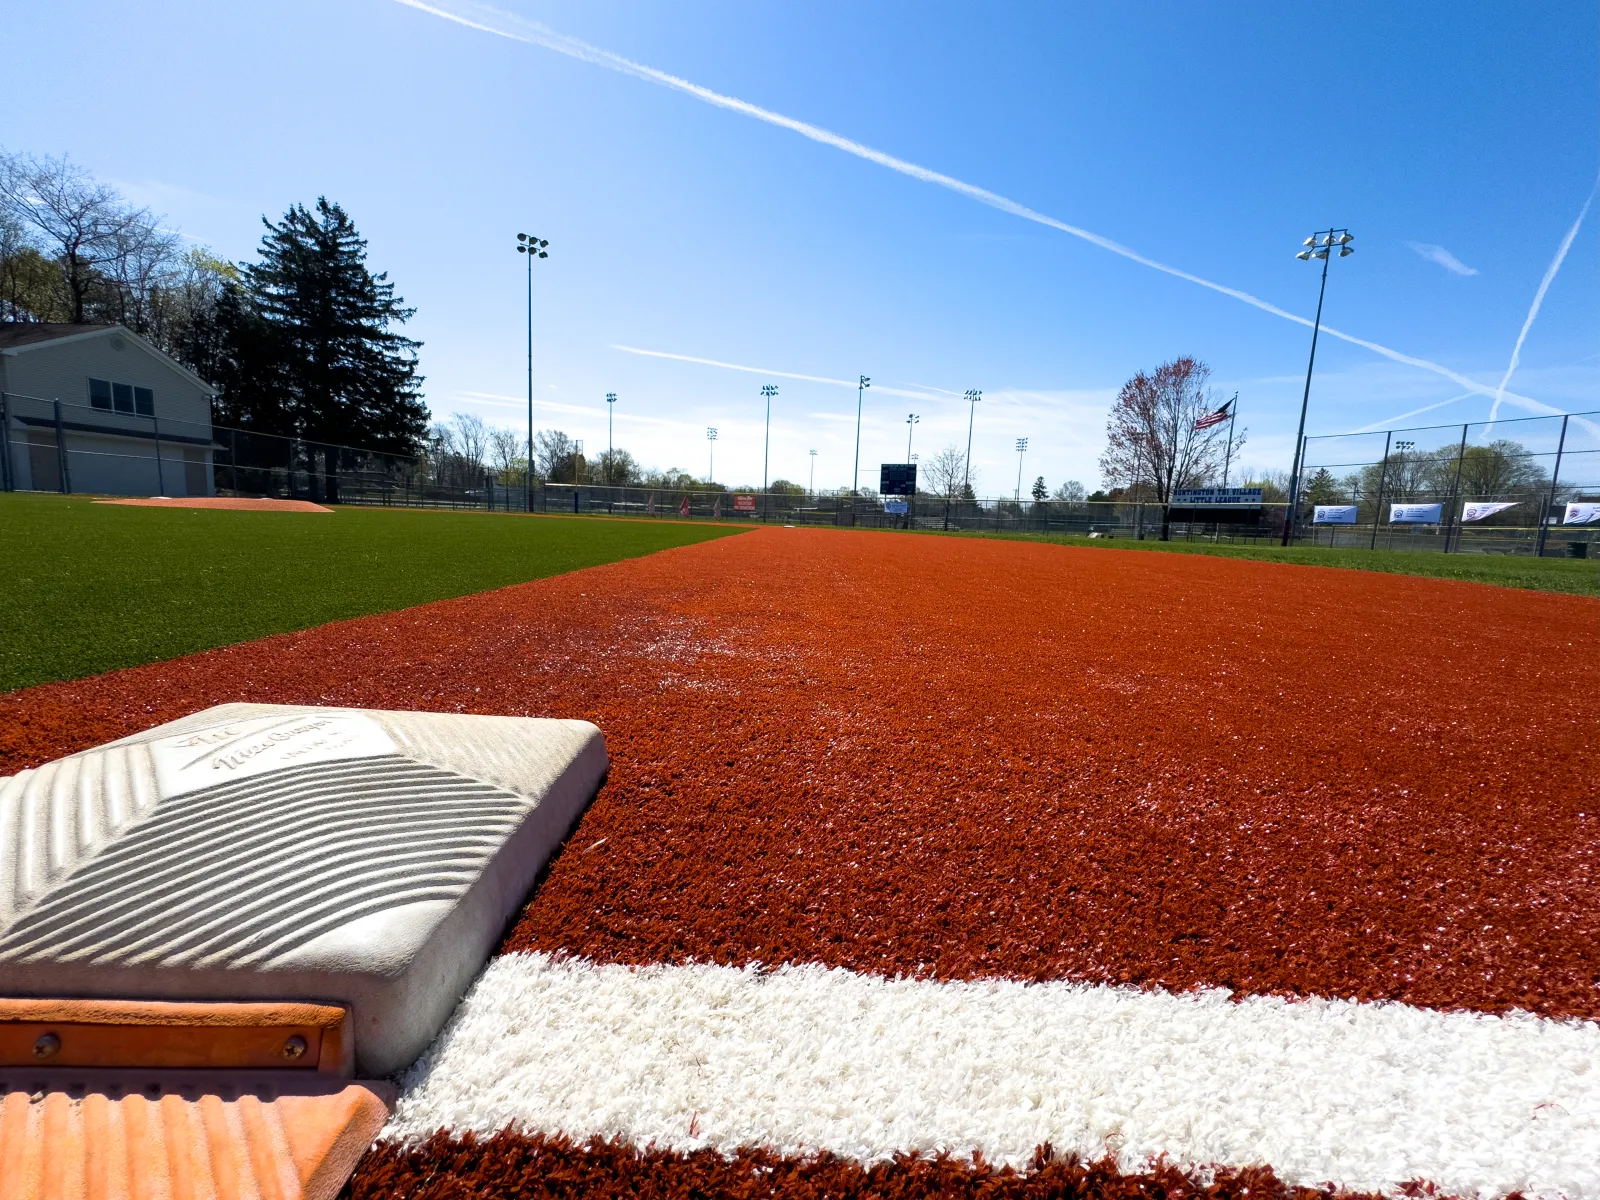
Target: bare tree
(87,227)
(945,475)
(1152,442)
(1071,491)
(618,468)
(945,472)
(145,261)
(470,439)
(555,456)
(506,451)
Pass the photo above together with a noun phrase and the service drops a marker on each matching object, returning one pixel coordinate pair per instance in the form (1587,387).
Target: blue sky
(1459,144)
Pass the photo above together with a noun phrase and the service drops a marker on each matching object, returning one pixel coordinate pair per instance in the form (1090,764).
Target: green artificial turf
(88,587)
(1575,575)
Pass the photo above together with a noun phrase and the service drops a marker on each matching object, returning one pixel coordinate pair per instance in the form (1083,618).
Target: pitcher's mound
(244,502)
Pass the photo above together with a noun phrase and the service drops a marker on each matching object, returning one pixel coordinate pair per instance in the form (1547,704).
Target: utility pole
(855,475)
(1319,245)
(534,248)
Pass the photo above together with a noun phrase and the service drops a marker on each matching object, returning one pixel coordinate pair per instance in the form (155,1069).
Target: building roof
(26,333)
(19,336)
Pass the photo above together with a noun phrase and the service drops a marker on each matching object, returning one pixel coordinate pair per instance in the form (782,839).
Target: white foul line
(805,1059)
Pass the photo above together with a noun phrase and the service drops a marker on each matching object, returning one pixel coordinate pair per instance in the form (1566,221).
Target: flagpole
(1227,457)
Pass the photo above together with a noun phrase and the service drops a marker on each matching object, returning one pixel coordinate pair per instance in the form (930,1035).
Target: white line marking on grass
(803,1059)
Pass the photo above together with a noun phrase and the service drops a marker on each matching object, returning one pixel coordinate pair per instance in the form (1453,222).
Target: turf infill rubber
(965,759)
(513,1164)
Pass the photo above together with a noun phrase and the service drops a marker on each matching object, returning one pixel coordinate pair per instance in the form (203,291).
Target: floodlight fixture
(1310,241)
(1303,255)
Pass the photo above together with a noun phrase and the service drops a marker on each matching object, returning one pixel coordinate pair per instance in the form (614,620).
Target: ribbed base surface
(89,1144)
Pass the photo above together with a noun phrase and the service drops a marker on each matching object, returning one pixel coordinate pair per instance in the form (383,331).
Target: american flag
(1214,418)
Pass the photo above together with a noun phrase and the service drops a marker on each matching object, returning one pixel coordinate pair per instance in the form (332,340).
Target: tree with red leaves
(1152,445)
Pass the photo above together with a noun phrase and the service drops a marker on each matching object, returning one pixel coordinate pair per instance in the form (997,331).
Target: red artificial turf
(958,758)
(537,1166)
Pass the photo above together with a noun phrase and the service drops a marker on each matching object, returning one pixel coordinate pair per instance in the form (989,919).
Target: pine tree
(341,372)
(1040,491)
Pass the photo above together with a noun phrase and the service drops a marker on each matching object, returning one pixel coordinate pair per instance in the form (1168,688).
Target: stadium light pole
(855,475)
(1319,245)
(813,488)
(711,445)
(534,248)
(769,390)
(973,396)
(1022,448)
(611,413)
(912,421)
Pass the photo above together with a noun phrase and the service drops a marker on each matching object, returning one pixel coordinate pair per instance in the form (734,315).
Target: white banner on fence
(1416,514)
(1582,514)
(1478,510)
(1334,514)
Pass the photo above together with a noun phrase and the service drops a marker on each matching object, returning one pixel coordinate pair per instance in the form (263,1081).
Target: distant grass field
(88,587)
(1574,575)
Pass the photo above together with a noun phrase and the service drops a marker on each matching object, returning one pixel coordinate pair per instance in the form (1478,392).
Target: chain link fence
(1534,466)
(1502,487)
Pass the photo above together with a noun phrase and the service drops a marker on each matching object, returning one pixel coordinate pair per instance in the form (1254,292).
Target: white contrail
(490,20)
(1538,300)
(728,366)
(1387,423)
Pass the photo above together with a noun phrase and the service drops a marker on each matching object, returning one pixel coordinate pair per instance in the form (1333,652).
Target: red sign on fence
(744,504)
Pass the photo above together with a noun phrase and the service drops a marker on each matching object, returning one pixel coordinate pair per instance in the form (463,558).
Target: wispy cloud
(1438,254)
(1538,300)
(487,19)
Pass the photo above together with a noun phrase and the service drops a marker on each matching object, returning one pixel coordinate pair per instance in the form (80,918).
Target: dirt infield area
(959,759)
(238,503)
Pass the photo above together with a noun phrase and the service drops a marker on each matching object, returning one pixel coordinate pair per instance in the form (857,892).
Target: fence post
(161,474)
(1450,522)
(1544,520)
(1383,478)
(64,482)
(5,442)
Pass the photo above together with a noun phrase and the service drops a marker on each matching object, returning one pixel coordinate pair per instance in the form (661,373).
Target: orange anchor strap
(139,1033)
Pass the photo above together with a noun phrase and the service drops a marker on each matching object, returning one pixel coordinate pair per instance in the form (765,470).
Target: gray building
(95,408)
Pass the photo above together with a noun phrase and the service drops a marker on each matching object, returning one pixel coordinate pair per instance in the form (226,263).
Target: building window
(122,398)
